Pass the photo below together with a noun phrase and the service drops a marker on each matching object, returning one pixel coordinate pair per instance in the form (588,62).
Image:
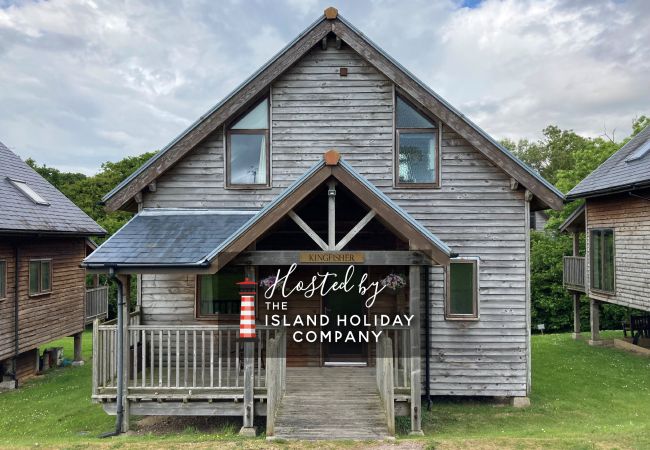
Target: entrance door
(341,303)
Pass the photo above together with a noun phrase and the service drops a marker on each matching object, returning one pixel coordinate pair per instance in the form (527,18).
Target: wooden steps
(331,403)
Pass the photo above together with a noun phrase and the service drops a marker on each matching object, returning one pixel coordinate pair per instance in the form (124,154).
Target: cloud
(87,81)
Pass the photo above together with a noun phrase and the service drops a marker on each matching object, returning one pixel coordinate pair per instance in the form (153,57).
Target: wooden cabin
(44,238)
(615,217)
(331,155)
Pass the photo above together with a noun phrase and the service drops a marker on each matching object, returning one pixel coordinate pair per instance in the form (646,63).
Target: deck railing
(400,339)
(276,369)
(574,273)
(166,360)
(385,380)
(96,303)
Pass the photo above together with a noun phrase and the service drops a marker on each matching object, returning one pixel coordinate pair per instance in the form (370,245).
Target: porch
(206,370)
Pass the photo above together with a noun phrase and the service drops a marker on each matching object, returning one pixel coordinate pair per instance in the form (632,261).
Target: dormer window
(247,149)
(417,150)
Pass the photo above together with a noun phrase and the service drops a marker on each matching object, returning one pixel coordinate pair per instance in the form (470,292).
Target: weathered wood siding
(475,212)
(45,317)
(629,217)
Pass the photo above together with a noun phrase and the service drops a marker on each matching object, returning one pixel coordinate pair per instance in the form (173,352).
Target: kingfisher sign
(332,257)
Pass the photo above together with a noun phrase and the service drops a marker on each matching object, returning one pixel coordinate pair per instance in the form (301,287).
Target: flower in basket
(393,281)
(268,281)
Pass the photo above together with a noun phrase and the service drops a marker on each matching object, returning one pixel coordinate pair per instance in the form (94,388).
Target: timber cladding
(629,217)
(49,316)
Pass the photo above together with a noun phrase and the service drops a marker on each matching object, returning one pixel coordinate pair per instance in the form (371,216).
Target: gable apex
(547,196)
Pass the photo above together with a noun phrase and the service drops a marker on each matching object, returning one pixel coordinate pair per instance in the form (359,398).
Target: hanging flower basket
(393,281)
(268,281)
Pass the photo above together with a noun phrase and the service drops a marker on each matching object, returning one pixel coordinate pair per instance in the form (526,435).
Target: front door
(344,304)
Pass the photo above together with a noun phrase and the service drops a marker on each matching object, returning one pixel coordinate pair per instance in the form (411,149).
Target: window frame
(475,316)
(216,317)
(40,277)
(602,259)
(4,289)
(255,131)
(396,139)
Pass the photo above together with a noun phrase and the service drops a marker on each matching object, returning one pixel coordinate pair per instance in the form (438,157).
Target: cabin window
(40,276)
(3,279)
(247,149)
(602,260)
(416,140)
(218,294)
(462,290)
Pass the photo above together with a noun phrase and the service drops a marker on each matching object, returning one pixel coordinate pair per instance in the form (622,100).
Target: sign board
(332,257)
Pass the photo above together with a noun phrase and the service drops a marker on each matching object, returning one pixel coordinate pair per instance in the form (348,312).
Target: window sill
(416,185)
(249,187)
(40,294)
(462,318)
(602,292)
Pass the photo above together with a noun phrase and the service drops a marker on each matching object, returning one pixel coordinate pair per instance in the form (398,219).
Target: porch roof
(168,238)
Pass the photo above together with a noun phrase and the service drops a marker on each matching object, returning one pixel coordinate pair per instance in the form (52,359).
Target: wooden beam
(372,258)
(323,43)
(415,301)
(355,230)
(228,108)
(338,43)
(514,184)
(307,229)
(153,186)
(331,215)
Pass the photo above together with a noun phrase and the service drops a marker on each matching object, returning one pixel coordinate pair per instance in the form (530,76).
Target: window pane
(3,279)
(248,159)
(256,119)
(596,260)
(220,292)
(461,288)
(408,117)
(45,276)
(417,157)
(608,260)
(34,276)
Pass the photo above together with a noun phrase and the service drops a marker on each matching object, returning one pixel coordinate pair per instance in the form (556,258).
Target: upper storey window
(247,149)
(417,147)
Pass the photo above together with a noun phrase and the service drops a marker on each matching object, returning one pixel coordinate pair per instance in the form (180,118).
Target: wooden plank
(415,300)
(307,229)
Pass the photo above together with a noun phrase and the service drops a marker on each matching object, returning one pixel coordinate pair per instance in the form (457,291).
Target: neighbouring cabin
(43,297)
(331,156)
(615,218)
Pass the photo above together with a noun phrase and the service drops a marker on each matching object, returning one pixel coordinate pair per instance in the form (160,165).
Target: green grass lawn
(583,397)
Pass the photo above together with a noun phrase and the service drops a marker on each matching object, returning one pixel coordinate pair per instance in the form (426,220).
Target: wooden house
(616,218)
(44,238)
(331,155)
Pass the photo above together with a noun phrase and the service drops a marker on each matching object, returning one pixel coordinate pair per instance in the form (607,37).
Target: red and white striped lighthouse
(247,315)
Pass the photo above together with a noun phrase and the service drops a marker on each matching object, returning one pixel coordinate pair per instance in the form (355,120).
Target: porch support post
(331,215)
(415,299)
(576,315)
(248,429)
(126,292)
(78,356)
(594,322)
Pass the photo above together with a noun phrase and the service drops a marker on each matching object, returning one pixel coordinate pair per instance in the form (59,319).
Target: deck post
(576,315)
(594,322)
(415,299)
(126,293)
(248,428)
(78,355)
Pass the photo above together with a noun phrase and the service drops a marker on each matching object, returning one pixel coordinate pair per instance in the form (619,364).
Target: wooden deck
(331,403)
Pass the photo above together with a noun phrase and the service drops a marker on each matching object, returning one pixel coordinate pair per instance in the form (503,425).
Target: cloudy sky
(83,82)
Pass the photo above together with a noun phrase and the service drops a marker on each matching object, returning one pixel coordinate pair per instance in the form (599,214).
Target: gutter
(608,191)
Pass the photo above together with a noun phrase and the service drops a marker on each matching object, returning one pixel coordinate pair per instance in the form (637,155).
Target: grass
(583,397)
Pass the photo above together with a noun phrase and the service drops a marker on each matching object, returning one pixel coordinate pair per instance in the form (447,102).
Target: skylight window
(640,152)
(28,192)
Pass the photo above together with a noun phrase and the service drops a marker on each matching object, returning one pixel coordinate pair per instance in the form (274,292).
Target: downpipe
(120,356)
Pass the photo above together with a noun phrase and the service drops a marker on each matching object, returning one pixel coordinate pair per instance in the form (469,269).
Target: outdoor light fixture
(247,315)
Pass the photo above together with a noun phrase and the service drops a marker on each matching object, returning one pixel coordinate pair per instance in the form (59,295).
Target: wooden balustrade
(96,303)
(177,358)
(401,350)
(574,273)
(276,369)
(385,380)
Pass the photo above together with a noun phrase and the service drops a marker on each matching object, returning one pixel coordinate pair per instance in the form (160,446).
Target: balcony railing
(96,303)
(574,273)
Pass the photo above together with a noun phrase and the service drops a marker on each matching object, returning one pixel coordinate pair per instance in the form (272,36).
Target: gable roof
(546,193)
(198,239)
(20,214)
(621,172)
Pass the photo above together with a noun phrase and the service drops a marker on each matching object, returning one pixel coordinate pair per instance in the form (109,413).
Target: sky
(88,81)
